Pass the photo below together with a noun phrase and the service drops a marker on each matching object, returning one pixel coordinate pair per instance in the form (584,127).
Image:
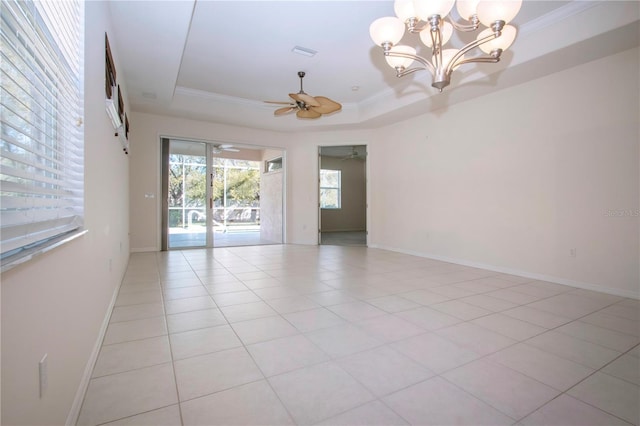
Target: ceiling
(219,60)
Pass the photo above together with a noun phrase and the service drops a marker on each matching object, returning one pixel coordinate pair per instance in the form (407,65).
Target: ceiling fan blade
(303,113)
(327,106)
(309,100)
(231,149)
(278,102)
(282,111)
(295,97)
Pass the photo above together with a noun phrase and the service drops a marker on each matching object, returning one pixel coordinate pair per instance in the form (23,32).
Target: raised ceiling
(218,60)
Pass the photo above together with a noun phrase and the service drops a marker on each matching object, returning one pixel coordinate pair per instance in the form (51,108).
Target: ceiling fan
(354,155)
(217,149)
(306,106)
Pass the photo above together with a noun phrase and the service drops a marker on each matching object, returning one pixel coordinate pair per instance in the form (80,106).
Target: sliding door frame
(164,189)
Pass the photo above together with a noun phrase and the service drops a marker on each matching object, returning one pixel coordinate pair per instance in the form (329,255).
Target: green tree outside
(187,185)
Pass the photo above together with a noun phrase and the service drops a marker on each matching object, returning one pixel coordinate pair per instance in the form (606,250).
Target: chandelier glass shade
(427,18)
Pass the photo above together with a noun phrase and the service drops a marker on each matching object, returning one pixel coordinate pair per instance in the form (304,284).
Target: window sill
(25,256)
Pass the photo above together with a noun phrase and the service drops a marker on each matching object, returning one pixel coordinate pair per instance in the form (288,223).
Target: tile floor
(180,238)
(357,336)
(344,238)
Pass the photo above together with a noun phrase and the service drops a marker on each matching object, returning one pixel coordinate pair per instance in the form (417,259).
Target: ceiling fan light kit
(427,18)
(305,105)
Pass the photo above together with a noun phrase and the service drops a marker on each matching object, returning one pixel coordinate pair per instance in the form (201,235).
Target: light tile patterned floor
(357,336)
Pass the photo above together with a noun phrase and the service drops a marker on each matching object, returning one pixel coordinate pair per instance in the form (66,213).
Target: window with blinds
(41,146)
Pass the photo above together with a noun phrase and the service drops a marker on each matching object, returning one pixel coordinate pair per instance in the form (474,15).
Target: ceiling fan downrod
(301,74)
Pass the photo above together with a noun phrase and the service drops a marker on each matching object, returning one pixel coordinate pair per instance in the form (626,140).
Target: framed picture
(110,69)
(113,99)
(120,104)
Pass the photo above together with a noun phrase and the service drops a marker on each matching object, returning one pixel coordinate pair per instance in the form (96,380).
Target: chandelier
(427,17)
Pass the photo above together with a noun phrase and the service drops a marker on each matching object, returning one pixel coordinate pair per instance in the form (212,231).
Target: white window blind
(41,98)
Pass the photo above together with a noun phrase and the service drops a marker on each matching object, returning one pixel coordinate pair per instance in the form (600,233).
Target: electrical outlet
(572,252)
(43,375)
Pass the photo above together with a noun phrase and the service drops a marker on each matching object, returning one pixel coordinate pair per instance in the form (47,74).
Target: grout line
(334,360)
(264,377)
(173,367)
(137,414)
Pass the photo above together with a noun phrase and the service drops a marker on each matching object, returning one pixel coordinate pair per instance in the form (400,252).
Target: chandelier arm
(475,23)
(483,59)
(456,58)
(420,59)
(407,71)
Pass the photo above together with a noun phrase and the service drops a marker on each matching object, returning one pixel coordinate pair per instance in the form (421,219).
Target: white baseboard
(526,274)
(343,230)
(72,418)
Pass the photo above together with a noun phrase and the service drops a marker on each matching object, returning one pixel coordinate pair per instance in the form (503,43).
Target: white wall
(302,163)
(271,204)
(510,181)
(352,215)
(272,198)
(516,179)
(56,303)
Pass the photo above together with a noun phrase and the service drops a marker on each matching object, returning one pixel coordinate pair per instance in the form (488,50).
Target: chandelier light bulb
(467,8)
(398,61)
(446,31)
(490,11)
(427,8)
(386,30)
(404,9)
(503,42)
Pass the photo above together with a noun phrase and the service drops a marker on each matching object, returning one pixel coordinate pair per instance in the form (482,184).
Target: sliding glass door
(236,202)
(219,195)
(187,195)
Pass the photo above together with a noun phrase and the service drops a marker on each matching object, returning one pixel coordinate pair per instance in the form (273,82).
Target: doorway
(214,194)
(342,195)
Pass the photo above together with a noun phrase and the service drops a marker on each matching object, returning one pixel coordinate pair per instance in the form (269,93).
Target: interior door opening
(221,195)
(342,189)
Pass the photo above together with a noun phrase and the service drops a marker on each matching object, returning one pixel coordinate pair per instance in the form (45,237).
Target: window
(41,145)
(330,192)
(272,165)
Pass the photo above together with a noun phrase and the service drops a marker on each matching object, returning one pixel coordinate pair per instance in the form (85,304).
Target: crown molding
(215,97)
(557,15)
